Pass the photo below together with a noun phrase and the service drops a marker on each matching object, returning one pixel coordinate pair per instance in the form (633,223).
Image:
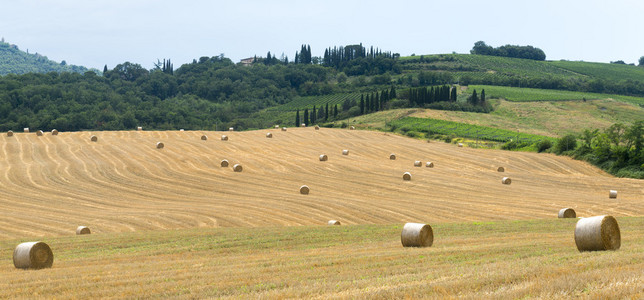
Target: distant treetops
(527,52)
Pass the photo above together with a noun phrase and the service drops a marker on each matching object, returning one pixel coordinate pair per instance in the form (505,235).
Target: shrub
(543,145)
(566,143)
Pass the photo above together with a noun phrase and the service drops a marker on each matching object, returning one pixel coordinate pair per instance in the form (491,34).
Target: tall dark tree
(326,112)
(297,118)
(306,116)
(335,111)
(474,99)
(362,104)
(641,62)
(453,95)
(482,100)
(105,68)
(313,115)
(392,93)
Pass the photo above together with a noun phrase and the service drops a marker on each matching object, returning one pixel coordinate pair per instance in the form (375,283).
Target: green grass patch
(529,94)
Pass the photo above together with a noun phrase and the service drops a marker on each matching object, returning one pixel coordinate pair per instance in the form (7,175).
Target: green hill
(16,61)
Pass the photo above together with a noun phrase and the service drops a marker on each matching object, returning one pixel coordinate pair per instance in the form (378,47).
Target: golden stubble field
(51,184)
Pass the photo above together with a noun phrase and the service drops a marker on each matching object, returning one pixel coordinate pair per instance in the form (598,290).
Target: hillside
(16,61)
(123,183)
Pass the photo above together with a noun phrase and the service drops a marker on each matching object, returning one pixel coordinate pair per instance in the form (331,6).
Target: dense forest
(15,61)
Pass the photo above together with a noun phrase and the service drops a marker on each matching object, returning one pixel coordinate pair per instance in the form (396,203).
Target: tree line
(526,52)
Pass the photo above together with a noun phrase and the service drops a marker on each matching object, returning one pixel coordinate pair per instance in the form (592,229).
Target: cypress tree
(474,99)
(105,69)
(335,111)
(326,112)
(313,115)
(306,116)
(362,104)
(297,118)
(482,100)
(376,103)
(453,96)
(392,93)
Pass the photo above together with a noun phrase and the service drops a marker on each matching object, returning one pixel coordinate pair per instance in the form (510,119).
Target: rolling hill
(16,61)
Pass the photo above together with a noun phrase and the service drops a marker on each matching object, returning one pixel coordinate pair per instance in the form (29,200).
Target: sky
(109,32)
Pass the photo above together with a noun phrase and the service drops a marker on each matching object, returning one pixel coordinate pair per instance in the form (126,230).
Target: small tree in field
(641,62)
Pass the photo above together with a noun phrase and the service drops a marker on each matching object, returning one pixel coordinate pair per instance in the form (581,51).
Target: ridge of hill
(15,61)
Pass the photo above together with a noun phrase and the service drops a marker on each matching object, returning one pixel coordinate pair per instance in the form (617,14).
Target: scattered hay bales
(317,127)
(407,176)
(304,190)
(204,137)
(352,128)
(139,128)
(429,164)
(82,230)
(160,145)
(345,152)
(231,129)
(39,133)
(392,156)
(418,163)
(9,133)
(33,255)
(506,180)
(26,129)
(597,233)
(224,137)
(237,168)
(612,194)
(333,222)
(460,145)
(417,235)
(224,163)
(283,128)
(567,213)
(93,138)
(500,169)
(323,157)
(269,135)
(54,132)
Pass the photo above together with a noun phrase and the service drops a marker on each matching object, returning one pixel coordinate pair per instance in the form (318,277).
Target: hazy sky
(98,32)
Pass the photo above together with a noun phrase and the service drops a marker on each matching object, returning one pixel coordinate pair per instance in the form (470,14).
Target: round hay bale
(139,128)
(317,127)
(417,235)
(506,180)
(500,169)
(323,157)
(224,163)
(567,213)
(612,194)
(231,129)
(352,128)
(269,135)
(237,168)
(418,163)
(407,176)
(204,137)
(54,132)
(392,156)
(283,128)
(224,138)
(26,129)
(333,222)
(160,145)
(277,127)
(33,255)
(460,145)
(304,190)
(39,133)
(302,125)
(345,152)
(597,233)
(429,164)
(83,230)
(93,138)
(181,130)
(9,133)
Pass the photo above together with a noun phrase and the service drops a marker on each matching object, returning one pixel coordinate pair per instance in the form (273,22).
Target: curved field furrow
(51,184)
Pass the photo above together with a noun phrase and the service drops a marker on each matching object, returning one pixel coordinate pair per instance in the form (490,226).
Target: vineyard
(529,94)
(435,126)
(318,101)
(615,72)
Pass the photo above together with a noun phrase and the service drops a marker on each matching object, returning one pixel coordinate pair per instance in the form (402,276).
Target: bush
(543,145)
(566,143)
(413,134)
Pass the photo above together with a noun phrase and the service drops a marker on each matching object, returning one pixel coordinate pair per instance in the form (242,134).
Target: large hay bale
(567,213)
(93,138)
(9,133)
(231,129)
(277,127)
(39,133)
(429,164)
(460,145)
(392,156)
(304,190)
(323,157)
(54,132)
(204,137)
(597,233)
(333,222)
(181,130)
(160,145)
(224,163)
(317,127)
(237,168)
(26,129)
(417,235)
(269,135)
(407,176)
(345,152)
(303,125)
(224,137)
(418,163)
(612,194)
(352,128)
(283,128)
(83,230)
(506,180)
(500,169)
(139,128)
(33,255)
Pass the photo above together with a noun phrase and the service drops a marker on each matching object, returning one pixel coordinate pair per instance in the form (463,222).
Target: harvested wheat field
(122,183)
(173,222)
